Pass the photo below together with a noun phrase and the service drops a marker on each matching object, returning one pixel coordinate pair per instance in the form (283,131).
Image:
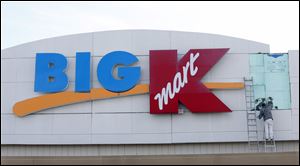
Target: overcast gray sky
(274,23)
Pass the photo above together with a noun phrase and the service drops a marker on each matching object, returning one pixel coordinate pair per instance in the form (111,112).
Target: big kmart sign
(171,81)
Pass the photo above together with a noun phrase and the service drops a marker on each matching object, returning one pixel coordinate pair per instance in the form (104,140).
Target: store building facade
(123,125)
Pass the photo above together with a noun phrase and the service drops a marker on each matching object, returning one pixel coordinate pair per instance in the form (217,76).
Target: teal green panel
(257,69)
(281,99)
(277,81)
(256,59)
(258,78)
(271,78)
(259,91)
(275,65)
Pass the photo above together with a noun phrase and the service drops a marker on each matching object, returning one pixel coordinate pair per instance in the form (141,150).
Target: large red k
(168,76)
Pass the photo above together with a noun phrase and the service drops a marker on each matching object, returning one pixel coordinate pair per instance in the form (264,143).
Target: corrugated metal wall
(117,150)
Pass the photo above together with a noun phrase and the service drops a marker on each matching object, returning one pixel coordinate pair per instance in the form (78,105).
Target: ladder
(270,144)
(253,142)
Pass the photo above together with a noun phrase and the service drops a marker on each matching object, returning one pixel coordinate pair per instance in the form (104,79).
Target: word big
(50,73)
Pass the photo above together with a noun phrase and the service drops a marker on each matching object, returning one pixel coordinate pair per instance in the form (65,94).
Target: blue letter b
(49,72)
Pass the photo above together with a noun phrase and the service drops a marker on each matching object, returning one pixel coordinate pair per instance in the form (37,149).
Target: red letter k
(172,81)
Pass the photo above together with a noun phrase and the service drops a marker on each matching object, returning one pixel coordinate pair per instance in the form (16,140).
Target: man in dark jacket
(265,113)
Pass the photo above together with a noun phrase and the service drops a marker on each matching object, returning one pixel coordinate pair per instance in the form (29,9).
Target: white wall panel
(71,68)
(145,123)
(294,79)
(229,122)
(191,137)
(34,124)
(294,63)
(94,63)
(145,70)
(140,103)
(111,123)
(72,124)
(78,108)
(105,42)
(25,69)
(143,41)
(117,104)
(8,70)
(256,47)
(69,139)
(183,41)
(7,124)
(295,125)
(191,127)
(237,136)
(209,137)
(189,122)
(226,97)
(150,138)
(134,103)
(126,120)
(110,138)
(236,45)
(295,95)
(282,120)
(45,139)
(8,97)
(25,90)
(131,138)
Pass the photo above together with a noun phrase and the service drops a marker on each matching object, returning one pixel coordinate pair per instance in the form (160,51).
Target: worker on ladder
(265,113)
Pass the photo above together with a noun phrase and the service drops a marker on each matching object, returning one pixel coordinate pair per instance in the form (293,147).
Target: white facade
(126,120)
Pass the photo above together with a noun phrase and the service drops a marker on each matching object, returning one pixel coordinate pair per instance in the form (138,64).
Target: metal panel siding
(294,63)
(104,42)
(120,150)
(159,40)
(294,80)
(127,120)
